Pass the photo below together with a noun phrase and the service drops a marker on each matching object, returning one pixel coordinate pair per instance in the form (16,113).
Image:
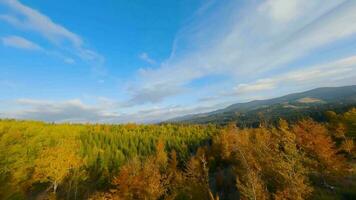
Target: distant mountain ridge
(294,106)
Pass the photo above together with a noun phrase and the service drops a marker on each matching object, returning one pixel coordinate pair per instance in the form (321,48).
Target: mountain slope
(312,103)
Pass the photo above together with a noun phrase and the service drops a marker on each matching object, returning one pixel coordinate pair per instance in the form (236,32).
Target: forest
(300,160)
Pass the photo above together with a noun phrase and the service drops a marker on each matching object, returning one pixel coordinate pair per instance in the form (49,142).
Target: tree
(54,164)
(348,146)
(287,166)
(174,178)
(197,178)
(143,180)
(349,119)
(138,180)
(161,157)
(316,143)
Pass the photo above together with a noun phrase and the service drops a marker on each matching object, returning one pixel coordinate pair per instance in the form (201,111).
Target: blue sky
(144,61)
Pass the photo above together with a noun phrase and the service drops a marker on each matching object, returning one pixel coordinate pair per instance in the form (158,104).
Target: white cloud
(29,19)
(145,57)
(23,43)
(246,42)
(254,44)
(162,113)
(282,10)
(103,112)
(326,74)
(259,85)
(20,42)
(65,111)
(69,60)
(151,94)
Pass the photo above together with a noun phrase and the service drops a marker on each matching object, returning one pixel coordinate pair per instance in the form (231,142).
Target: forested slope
(292,107)
(303,160)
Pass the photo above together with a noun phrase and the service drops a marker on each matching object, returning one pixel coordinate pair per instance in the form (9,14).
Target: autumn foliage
(303,160)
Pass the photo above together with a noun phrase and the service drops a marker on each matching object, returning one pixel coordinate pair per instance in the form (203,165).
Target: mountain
(311,103)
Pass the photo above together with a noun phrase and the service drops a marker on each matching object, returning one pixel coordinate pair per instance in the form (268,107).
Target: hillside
(312,103)
(178,162)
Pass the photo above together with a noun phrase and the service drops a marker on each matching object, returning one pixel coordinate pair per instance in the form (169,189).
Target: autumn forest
(299,160)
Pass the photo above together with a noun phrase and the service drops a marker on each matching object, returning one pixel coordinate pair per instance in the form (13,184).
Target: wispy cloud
(252,41)
(282,11)
(145,57)
(151,94)
(260,48)
(29,19)
(259,85)
(104,112)
(63,111)
(326,74)
(108,111)
(20,42)
(161,113)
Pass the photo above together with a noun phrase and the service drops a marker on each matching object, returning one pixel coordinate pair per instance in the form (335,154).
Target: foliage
(54,164)
(79,159)
(302,160)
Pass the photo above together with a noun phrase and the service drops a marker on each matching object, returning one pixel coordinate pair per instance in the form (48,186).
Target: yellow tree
(348,146)
(350,120)
(174,177)
(251,152)
(139,180)
(54,164)
(266,162)
(287,166)
(161,157)
(197,177)
(314,140)
(143,180)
